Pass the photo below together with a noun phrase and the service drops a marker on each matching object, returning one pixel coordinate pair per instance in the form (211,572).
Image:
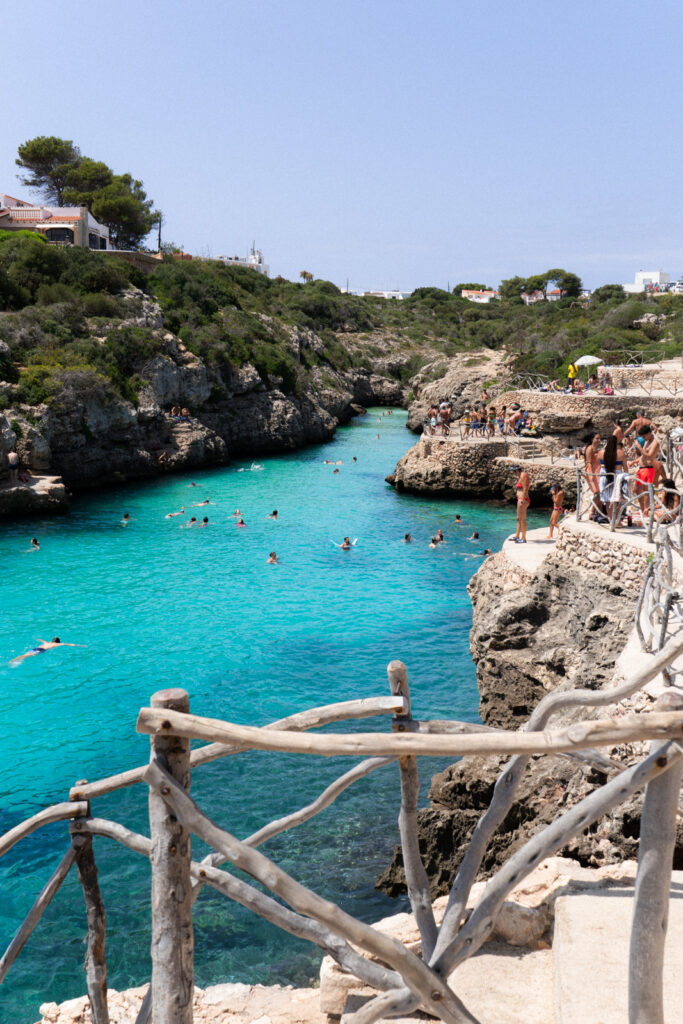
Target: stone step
(591,953)
(500,985)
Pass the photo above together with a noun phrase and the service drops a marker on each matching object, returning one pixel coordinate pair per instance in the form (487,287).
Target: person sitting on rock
(668,504)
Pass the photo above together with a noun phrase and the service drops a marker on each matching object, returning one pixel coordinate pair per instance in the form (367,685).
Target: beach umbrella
(587,361)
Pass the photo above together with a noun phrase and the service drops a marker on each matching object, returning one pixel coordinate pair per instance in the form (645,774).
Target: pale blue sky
(397,144)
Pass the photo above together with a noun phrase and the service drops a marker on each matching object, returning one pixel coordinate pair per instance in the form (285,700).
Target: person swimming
(486,551)
(198,504)
(240,522)
(170,515)
(273,515)
(407,539)
(335,470)
(236,514)
(354,459)
(434,542)
(440,537)
(43,645)
(204,522)
(459,521)
(346,544)
(475,536)
(126,519)
(191,522)
(272,559)
(35,546)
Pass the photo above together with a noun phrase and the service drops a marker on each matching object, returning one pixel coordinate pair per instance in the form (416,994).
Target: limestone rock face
(459,380)
(563,627)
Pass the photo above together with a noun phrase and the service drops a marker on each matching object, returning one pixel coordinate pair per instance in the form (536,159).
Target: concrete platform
(530,555)
(591,954)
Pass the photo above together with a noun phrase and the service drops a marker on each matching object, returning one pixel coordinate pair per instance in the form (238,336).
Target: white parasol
(587,361)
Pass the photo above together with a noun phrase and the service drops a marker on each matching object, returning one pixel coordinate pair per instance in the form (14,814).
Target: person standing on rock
(592,475)
(13,460)
(522,487)
(557,494)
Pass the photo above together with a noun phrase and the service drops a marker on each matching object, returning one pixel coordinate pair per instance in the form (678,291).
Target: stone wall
(607,553)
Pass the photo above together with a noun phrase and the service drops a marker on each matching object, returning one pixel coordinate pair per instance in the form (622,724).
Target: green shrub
(17,428)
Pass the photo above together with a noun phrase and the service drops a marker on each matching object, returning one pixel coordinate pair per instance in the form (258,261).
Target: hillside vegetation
(64,311)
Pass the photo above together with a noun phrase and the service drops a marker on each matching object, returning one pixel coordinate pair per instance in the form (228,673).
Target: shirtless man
(592,469)
(649,467)
(638,423)
(43,645)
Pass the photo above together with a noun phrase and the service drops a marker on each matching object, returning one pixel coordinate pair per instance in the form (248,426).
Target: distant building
(386,295)
(554,295)
(60,225)
(649,281)
(253,261)
(529,298)
(484,296)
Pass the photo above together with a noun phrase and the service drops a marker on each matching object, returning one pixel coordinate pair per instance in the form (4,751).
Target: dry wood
(508,781)
(327,797)
(172,935)
(95,958)
(653,889)
(545,843)
(313,718)
(432,991)
(58,812)
(416,877)
(577,736)
(371,973)
(36,912)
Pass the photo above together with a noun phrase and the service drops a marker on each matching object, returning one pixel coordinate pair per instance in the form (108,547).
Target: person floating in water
(440,537)
(43,645)
(237,514)
(272,559)
(407,539)
(204,522)
(434,542)
(241,522)
(475,536)
(126,519)
(335,470)
(346,544)
(354,459)
(273,515)
(459,521)
(35,546)
(170,515)
(191,522)
(198,504)
(487,551)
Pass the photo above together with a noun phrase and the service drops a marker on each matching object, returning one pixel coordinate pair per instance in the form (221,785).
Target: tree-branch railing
(403,979)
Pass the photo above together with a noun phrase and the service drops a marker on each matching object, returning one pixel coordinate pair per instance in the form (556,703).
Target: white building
(649,281)
(253,261)
(60,225)
(484,297)
(386,295)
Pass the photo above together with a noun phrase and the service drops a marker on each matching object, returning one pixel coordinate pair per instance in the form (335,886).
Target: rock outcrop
(560,627)
(459,380)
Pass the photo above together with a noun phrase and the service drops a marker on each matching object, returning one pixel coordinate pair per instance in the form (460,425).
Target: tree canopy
(63,176)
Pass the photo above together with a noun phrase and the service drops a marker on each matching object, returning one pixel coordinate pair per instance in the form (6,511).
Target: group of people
(181,415)
(624,466)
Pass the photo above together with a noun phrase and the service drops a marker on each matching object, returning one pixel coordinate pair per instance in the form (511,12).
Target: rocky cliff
(563,626)
(88,434)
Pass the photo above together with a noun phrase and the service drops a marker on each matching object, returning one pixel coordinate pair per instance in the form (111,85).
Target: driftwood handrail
(402,979)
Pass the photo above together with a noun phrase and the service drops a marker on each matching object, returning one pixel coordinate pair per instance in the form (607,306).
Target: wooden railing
(402,979)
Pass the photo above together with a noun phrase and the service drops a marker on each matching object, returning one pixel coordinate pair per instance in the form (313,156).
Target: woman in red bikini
(557,495)
(522,487)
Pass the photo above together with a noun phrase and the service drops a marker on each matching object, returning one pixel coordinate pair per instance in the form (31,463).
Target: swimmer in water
(487,551)
(475,536)
(272,559)
(354,459)
(35,546)
(440,537)
(346,544)
(433,542)
(170,515)
(407,539)
(459,521)
(204,522)
(43,645)
(273,514)
(126,519)
(376,437)
(329,462)
(240,522)
(192,522)
(335,471)
(198,504)
(236,514)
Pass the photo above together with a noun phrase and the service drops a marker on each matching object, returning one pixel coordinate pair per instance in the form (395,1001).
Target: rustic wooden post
(579,496)
(416,876)
(653,886)
(95,957)
(172,936)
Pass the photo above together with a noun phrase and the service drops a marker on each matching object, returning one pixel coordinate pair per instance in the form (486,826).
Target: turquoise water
(160,605)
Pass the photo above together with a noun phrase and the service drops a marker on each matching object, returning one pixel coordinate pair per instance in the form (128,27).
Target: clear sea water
(160,605)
